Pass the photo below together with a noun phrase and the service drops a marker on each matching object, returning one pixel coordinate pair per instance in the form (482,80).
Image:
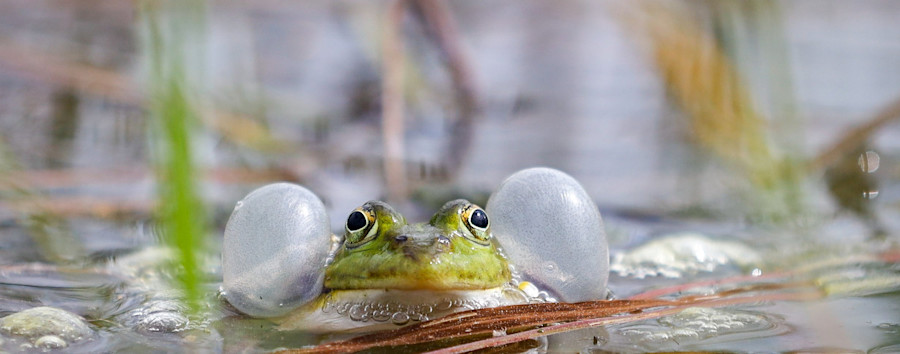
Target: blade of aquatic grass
(181,210)
(722,117)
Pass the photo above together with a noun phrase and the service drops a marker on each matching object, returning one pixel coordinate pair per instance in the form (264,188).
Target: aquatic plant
(175,119)
(721,115)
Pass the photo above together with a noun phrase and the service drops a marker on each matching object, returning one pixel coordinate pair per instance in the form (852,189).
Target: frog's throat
(375,309)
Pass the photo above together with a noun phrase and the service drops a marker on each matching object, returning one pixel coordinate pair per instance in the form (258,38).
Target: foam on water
(698,324)
(682,254)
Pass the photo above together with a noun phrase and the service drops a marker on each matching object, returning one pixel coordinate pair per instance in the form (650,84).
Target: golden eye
(361,226)
(477,223)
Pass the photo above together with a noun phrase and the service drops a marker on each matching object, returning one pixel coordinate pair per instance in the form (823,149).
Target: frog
(389,272)
(540,238)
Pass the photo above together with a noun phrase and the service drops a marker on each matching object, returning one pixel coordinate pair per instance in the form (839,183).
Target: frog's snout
(417,247)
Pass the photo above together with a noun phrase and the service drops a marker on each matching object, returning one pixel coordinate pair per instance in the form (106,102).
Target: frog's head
(453,251)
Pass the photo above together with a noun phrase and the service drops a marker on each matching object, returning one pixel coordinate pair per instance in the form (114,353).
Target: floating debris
(677,255)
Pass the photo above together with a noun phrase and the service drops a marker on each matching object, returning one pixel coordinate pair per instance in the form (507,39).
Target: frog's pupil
(479,219)
(356,221)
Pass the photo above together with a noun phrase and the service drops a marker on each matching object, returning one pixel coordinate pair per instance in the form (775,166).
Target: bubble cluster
(682,254)
(399,313)
(391,311)
(163,316)
(700,324)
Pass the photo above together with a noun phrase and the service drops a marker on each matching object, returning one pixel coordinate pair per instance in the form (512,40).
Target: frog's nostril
(401,238)
(443,240)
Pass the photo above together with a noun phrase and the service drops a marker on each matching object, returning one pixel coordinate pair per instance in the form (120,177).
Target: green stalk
(175,118)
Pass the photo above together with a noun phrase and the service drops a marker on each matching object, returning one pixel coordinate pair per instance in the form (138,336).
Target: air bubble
(444,305)
(424,309)
(869,161)
(50,342)
(342,309)
(358,313)
(400,318)
(551,267)
(381,315)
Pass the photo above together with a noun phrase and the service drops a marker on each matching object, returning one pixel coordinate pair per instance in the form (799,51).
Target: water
(562,84)
(130,307)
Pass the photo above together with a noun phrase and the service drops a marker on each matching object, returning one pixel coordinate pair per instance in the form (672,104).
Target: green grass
(175,120)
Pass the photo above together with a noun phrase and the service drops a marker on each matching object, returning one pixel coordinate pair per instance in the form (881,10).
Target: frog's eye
(478,219)
(356,221)
(361,227)
(477,223)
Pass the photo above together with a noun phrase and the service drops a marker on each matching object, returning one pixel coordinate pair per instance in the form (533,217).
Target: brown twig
(44,179)
(99,207)
(437,16)
(855,138)
(611,320)
(485,321)
(41,66)
(523,322)
(392,127)
(536,320)
(69,206)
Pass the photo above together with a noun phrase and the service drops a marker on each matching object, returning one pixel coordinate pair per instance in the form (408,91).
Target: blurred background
(722,116)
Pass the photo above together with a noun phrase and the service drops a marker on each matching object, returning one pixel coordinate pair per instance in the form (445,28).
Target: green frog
(387,272)
(281,261)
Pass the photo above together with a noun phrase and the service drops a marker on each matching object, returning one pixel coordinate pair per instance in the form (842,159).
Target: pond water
(565,84)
